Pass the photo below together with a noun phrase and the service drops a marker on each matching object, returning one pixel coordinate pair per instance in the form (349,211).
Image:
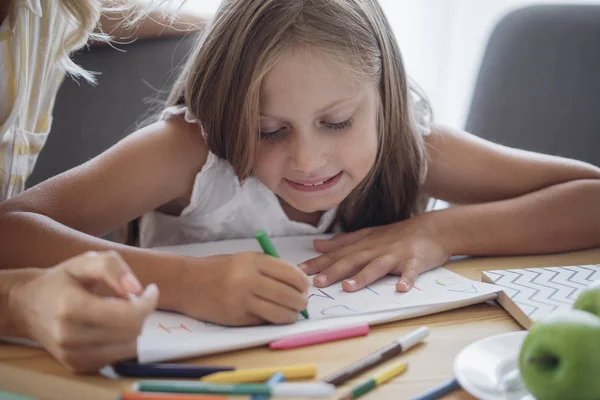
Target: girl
(295,116)
(53,306)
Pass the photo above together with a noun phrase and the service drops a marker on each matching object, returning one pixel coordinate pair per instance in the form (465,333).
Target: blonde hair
(83,16)
(221,83)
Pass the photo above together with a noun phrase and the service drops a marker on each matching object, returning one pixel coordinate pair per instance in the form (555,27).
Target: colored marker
(301,371)
(268,248)
(312,390)
(399,345)
(133,369)
(439,391)
(274,380)
(322,336)
(377,380)
(167,396)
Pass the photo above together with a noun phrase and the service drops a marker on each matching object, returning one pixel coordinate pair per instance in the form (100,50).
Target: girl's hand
(61,309)
(244,289)
(405,248)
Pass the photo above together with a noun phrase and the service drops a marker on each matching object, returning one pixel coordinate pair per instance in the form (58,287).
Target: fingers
(333,249)
(339,241)
(92,358)
(74,335)
(374,270)
(284,272)
(281,294)
(271,312)
(111,313)
(410,272)
(90,331)
(343,268)
(107,267)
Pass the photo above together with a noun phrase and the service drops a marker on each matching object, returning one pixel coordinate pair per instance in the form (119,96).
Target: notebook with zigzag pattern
(531,293)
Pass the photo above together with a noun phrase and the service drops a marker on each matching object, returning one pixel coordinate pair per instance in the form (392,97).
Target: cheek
(360,151)
(268,165)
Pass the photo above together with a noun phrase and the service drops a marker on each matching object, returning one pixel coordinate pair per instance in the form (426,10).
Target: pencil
(268,248)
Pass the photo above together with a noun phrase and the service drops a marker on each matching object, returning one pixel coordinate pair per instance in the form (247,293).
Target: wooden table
(33,372)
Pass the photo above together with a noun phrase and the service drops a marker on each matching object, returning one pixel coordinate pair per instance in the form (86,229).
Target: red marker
(322,336)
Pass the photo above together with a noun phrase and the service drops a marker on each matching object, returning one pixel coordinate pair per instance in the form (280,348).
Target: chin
(314,206)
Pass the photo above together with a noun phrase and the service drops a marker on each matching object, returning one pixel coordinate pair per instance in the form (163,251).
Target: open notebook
(168,336)
(531,293)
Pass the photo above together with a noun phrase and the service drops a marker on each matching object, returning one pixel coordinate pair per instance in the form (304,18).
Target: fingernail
(351,282)
(131,284)
(303,267)
(404,285)
(150,290)
(321,279)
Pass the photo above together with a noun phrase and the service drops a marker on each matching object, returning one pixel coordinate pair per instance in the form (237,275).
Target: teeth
(313,184)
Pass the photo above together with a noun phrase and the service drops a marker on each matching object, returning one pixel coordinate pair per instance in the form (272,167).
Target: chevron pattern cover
(531,293)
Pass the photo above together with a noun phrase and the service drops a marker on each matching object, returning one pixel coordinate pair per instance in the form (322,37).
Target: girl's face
(318,129)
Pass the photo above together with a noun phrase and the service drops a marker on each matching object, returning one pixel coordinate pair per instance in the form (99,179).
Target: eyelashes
(340,126)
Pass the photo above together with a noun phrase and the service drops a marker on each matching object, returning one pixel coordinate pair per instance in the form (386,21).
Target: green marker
(268,248)
(304,390)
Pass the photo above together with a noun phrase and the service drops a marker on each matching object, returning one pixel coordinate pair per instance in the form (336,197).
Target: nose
(307,152)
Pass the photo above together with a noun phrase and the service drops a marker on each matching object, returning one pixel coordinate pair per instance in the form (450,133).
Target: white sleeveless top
(222,209)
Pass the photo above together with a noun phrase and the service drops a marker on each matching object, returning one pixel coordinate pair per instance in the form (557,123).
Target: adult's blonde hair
(220,85)
(83,17)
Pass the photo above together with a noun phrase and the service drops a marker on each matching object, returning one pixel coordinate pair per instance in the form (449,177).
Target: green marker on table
(268,248)
(302,390)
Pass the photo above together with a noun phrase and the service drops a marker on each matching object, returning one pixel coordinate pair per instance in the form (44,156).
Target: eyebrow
(326,108)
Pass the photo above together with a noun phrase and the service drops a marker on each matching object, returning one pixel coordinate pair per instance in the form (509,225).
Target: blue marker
(274,380)
(158,370)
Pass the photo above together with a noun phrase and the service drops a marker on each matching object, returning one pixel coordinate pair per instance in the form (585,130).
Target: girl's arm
(510,202)
(59,218)
(531,203)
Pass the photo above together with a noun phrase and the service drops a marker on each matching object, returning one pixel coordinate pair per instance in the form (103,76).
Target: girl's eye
(339,126)
(271,135)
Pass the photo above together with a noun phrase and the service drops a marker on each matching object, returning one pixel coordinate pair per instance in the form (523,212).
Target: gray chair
(539,83)
(88,119)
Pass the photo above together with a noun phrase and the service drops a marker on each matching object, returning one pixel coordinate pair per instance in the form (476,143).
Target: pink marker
(328,335)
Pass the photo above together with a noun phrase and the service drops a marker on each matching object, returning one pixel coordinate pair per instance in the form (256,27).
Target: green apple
(589,299)
(560,357)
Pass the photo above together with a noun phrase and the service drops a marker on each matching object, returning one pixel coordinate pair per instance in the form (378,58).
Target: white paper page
(170,335)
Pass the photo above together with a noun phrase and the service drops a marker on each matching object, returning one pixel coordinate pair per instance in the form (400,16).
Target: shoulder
(172,151)
(183,140)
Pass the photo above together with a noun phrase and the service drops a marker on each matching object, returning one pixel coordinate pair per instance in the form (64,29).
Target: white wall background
(442,42)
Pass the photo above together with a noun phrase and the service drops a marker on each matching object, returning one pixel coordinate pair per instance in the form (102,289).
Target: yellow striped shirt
(28,55)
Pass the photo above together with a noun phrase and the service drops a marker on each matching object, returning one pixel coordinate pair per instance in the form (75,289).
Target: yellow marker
(377,380)
(301,371)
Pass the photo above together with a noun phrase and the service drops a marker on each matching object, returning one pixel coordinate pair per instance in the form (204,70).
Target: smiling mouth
(315,185)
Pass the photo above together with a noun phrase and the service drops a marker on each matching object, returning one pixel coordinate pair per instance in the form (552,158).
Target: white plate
(488,368)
